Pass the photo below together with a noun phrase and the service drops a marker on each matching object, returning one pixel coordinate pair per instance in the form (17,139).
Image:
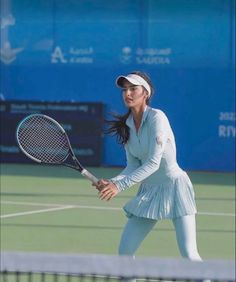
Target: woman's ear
(146,95)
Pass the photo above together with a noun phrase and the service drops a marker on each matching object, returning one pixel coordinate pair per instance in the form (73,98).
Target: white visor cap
(135,80)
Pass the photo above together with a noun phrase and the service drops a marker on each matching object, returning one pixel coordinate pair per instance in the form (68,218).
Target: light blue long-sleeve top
(151,160)
(150,150)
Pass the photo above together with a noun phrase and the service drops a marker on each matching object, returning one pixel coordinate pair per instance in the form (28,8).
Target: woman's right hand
(102,183)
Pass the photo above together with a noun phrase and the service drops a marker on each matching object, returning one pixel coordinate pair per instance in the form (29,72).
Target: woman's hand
(108,192)
(101,184)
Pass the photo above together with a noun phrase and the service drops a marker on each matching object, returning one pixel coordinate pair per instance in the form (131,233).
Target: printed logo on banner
(7,53)
(226,127)
(146,56)
(126,56)
(73,55)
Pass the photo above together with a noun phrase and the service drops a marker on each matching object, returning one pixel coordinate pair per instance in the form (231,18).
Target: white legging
(137,229)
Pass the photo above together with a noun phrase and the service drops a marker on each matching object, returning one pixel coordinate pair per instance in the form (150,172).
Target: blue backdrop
(72,50)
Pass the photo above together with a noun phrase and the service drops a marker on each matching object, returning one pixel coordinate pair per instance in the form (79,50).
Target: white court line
(61,206)
(35,211)
(216,214)
(32,204)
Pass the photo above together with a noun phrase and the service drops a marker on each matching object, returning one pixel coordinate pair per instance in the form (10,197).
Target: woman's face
(134,95)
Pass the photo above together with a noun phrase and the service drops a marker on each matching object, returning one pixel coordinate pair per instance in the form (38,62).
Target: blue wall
(72,50)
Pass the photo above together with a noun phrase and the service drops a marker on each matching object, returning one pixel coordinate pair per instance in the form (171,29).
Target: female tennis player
(165,190)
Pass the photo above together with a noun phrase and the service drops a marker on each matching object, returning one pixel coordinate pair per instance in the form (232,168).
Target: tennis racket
(44,140)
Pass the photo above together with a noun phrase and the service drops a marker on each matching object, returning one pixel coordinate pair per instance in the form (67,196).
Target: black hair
(117,126)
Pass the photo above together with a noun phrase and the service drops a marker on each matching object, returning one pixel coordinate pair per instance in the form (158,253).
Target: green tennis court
(51,209)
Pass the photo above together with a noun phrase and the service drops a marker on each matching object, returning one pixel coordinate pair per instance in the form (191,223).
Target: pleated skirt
(173,197)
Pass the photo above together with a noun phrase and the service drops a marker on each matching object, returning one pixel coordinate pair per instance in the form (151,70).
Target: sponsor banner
(82,122)
(74,32)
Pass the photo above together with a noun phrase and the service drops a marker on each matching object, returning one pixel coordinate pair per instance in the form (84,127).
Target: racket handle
(90,176)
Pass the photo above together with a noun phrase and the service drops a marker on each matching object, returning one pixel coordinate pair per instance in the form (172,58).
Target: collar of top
(130,120)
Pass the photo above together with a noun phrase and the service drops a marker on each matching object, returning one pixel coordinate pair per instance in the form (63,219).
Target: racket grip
(90,176)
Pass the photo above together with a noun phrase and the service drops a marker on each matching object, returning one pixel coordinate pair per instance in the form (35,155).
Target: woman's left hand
(108,192)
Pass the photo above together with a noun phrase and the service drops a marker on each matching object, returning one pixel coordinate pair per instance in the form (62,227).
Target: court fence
(42,267)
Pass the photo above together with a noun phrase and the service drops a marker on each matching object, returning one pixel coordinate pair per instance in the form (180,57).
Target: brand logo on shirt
(159,141)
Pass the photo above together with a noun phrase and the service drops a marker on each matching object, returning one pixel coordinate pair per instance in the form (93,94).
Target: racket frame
(77,165)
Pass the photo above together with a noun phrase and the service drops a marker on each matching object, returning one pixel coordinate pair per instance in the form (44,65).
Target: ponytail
(117,127)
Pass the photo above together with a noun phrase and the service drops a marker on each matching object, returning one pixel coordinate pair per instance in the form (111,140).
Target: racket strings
(43,139)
